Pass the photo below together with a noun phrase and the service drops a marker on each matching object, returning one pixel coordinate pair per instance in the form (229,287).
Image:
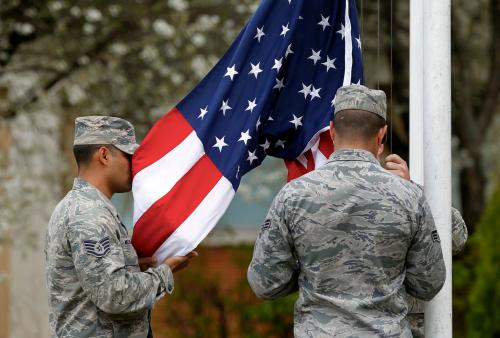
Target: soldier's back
(352,225)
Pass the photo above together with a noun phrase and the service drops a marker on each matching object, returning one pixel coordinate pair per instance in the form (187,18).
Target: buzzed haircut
(83,152)
(357,124)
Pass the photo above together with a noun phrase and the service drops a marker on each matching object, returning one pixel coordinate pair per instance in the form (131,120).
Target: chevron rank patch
(97,248)
(435,236)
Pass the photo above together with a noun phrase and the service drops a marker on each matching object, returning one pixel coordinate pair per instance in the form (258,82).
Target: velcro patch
(435,236)
(97,248)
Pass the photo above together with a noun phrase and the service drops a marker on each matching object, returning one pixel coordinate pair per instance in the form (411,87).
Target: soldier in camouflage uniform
(353,238)
(96,287)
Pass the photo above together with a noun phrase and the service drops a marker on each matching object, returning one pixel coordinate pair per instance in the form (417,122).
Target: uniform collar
(353,155)
(80,184)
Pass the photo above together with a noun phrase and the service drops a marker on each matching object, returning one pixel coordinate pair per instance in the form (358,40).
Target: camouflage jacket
(353,239)
(95,286)
(459,236)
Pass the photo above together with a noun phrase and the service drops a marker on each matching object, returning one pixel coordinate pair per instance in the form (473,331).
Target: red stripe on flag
(170,211)
(296,169)
(165,135)
(325,143)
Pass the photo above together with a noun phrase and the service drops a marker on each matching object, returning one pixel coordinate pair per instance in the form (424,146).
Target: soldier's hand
(147,262)
(396,165)
(177,263)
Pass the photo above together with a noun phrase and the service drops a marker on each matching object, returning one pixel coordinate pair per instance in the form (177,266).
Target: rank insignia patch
(435,236)
(97,248)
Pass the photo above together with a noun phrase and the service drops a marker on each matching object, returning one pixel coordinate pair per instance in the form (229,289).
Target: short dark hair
(84,152)
(357,124)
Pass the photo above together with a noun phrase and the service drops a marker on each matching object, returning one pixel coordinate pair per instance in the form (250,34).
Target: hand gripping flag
(272,93)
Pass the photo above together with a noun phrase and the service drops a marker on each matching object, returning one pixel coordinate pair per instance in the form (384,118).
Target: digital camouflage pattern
(359,97)
(95,285)
(353,239)
(105,130)
(459,236)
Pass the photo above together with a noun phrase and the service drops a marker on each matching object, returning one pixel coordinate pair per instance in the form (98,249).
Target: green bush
(483,308)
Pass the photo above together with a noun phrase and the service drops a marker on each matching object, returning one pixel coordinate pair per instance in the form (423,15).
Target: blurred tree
(483,317)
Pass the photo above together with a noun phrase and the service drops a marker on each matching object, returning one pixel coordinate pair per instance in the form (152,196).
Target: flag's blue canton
(273,90)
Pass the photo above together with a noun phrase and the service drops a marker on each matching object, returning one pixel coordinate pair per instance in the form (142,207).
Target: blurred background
(136,59)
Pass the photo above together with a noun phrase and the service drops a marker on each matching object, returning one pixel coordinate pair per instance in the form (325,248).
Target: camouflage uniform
(96,288)
(416,310)
(353,239)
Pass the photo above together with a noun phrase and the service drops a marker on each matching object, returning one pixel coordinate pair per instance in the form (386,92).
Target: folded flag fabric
(272,93)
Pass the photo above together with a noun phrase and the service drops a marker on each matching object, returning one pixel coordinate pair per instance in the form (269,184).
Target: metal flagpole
(437,149)
(416,91)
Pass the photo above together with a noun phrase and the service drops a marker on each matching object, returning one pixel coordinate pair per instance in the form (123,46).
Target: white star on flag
(265,145)
(333,101)
(342,31)
(260,33)
(315,56)
(220,143)
(306,90)
(280,143)
(330,63)
(277,64)
(324,22)
(231,72)
(315,93)
(297,121)
(251,156)
(224,107)
(255,69)
(284,30)
(258,124)
(245,136)
(203,112)
(289,50)
(251,105)
(358,40)
(279,84)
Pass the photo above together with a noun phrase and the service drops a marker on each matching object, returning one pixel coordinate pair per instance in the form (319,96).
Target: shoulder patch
(435,236)
(266,225)
(97,248)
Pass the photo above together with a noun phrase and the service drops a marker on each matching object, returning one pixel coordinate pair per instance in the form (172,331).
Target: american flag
(272,93)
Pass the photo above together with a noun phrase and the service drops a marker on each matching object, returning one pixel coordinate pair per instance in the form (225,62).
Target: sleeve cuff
(167,280)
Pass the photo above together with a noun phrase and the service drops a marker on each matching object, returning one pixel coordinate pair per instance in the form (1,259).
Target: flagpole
(416,91)
(437,149)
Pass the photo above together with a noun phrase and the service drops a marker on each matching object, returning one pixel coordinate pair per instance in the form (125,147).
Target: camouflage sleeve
(459,231)
(425,269)
(100,261)
(273,270)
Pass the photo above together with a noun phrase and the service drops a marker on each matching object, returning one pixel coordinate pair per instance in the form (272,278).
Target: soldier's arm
(102,273)
(273,270)
(425,269)
(459,232)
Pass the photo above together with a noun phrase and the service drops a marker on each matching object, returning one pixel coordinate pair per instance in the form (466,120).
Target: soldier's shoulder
(408,192)
(81,207)
(302,185)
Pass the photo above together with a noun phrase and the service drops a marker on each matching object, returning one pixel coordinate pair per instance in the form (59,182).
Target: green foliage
(483,319)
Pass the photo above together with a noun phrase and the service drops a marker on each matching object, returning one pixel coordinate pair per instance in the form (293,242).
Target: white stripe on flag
(203,219)
(156,180)
(319,157)
(348,47)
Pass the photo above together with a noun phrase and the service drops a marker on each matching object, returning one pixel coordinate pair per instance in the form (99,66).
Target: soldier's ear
(103,155)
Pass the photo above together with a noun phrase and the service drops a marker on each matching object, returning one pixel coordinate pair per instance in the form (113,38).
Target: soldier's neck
(356,145)
(97,181)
